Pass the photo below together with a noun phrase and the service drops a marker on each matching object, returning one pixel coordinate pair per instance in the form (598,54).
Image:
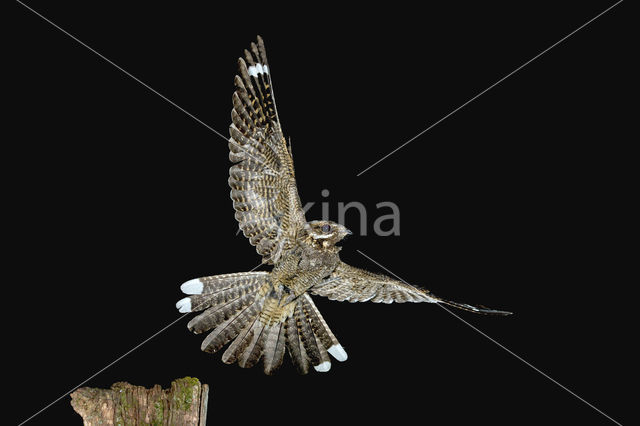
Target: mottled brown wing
(263,186)
(348,283)
(351,284)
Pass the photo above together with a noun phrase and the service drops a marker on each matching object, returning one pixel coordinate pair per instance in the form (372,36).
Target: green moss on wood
(158,414)
(183,395)
(148,406)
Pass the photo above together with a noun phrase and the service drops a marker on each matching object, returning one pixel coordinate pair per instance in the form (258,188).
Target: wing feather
(263,186)
(348,283)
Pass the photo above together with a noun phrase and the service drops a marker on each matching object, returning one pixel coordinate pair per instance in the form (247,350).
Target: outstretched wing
(348,283)
(263,186)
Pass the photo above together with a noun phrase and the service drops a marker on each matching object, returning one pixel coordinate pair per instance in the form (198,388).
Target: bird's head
(326,233)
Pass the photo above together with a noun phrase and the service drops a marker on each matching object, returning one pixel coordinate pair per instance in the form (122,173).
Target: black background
(517,201)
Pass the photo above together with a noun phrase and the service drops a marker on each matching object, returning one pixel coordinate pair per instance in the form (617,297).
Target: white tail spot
(338,352)
(192,287)
(184,305)
(323,368)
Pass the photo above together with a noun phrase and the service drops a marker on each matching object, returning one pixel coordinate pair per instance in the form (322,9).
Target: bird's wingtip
(477,309)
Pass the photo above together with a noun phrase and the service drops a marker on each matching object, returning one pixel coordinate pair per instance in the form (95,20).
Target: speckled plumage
(262,313)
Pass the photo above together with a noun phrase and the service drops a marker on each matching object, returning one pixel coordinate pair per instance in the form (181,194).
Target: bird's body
(304,266)
(263,313)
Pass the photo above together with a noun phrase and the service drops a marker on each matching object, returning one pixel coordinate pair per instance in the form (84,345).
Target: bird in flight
(265,313)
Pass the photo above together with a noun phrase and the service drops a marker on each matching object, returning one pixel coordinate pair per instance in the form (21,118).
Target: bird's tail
(309,339)
(252,313)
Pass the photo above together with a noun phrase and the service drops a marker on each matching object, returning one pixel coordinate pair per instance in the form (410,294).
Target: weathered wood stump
(125,404)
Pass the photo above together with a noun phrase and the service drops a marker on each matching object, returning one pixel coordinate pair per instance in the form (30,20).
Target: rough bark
(125,404)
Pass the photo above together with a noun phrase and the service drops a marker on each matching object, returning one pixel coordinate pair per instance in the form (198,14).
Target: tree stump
(125,404)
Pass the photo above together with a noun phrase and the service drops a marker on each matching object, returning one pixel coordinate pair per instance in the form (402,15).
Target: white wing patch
(256,69)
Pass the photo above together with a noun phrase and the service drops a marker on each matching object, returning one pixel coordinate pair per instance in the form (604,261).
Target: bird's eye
(326,228)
